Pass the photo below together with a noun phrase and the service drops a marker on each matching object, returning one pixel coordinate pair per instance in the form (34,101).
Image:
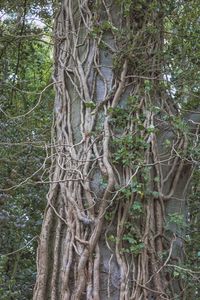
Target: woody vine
(120,149)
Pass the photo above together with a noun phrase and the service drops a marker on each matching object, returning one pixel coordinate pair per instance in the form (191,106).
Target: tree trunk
(117,160)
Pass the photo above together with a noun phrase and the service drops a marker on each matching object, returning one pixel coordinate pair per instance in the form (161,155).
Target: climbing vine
(120,149)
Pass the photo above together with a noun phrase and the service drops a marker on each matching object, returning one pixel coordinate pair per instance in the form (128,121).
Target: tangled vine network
(118,158)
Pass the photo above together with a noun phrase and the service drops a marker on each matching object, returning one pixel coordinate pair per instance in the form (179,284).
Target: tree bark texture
(118,163)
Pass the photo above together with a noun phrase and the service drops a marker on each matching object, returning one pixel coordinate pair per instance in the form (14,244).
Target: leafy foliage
(26,113)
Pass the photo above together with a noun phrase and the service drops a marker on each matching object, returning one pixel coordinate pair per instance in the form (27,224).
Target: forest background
(26,111)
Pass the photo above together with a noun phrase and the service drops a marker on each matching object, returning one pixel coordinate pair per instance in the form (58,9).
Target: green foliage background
(26,69)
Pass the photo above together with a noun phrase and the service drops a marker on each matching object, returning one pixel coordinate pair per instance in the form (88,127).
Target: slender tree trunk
(117,161)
